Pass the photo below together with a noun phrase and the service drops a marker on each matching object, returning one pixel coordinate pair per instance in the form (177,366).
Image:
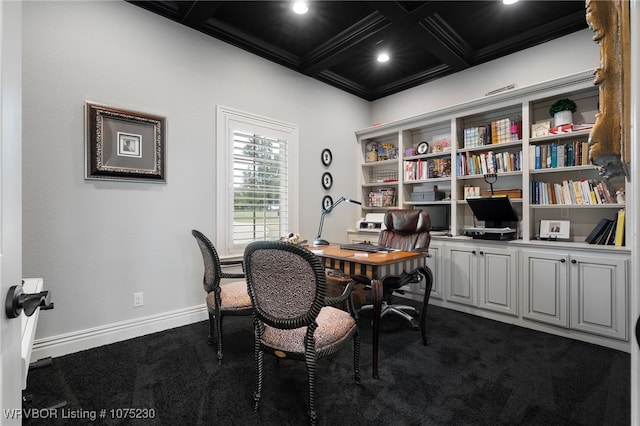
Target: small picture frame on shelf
(441,143)
(540,129)
(554,229)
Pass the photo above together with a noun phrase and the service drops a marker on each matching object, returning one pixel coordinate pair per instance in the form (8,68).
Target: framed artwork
(124,145)
(554,229)
(327,157)
(540,129)
(327,201)
(327,180)
(423,147)
(441,143)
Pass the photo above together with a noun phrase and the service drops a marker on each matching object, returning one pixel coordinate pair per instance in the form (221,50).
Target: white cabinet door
(461,273)
(599,295)
(498,283)
(544,283)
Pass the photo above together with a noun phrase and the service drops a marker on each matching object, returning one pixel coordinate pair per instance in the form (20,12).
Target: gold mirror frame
(609,140)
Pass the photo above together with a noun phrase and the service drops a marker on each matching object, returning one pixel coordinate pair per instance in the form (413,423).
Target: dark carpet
(473,372)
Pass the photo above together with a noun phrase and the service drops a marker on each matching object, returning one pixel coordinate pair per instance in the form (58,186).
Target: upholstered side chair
(406,229)
(293,317)
(223,299)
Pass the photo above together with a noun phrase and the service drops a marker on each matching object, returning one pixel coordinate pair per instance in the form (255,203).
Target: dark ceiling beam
(339,48)
(541,34)
(222,31)
(371,94)
(198,13)
(345,84)
(429,31)
(412,81)
(387,19)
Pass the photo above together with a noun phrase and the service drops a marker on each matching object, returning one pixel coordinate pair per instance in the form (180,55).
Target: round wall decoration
(423,147)
(327,180)
(327,157)
(327,201)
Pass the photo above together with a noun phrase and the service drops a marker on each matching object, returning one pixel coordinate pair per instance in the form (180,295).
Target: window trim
(226,119)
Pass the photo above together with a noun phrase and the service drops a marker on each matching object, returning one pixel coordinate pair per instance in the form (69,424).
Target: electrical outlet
(564,213)
(137,300)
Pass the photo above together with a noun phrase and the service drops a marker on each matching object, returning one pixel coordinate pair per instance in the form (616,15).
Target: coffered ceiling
(337,42)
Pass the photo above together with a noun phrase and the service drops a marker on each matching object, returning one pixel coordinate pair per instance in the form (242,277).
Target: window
(256,196)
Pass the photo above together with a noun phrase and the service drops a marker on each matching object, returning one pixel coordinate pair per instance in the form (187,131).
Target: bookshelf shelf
(559,137)
(616,206)
(491,147)
(473,123)
(588,167)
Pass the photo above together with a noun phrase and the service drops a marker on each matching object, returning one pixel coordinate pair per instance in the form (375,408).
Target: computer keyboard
(371,248)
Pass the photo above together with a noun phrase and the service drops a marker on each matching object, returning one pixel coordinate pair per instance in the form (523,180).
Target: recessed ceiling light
(508,2)
(300,7)
(383,57)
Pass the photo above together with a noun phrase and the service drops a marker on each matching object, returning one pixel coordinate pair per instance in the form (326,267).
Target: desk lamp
(319,241)
(491,179)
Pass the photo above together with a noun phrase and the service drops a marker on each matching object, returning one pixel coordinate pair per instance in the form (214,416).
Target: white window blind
(256,180)
(260,188)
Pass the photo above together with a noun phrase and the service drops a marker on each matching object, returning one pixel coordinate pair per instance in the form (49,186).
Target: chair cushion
(233,296)
(334,326)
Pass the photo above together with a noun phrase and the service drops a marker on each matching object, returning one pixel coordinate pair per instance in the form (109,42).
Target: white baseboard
(81,340)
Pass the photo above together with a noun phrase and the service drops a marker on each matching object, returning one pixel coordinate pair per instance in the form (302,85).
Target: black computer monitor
(495,211)
(439,216)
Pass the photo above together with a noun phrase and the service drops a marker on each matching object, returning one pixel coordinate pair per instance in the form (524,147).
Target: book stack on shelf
(559,155)
(494,132)
(608,232)
(427,169)
(576,192)
(383,197)
(488,162)
(474,136)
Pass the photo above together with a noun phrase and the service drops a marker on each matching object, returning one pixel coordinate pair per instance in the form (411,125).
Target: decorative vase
(563,117)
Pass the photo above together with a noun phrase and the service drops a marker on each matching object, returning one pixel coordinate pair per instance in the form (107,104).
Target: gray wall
(96,243)
(558,58)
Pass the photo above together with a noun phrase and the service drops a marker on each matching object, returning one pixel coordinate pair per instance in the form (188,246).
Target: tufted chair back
(407,229)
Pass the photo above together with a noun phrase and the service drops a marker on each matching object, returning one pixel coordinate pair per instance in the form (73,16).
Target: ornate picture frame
(327,180)
(554,229)
(124,145)
(327,157)
(327,201)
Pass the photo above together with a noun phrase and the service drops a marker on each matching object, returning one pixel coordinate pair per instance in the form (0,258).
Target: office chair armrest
(422,250)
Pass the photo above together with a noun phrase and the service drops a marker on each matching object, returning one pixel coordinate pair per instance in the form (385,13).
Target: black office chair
(229,299)
(406,229)
(293,318)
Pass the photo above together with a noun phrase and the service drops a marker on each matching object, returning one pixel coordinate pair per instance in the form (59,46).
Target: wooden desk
(376,266)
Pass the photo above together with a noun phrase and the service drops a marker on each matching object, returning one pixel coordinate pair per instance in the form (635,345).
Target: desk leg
(376,288)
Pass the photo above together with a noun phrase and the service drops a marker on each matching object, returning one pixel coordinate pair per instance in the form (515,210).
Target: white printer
(371,222)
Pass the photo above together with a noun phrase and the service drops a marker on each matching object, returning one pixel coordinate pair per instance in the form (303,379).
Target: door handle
(17,301)
(638,332)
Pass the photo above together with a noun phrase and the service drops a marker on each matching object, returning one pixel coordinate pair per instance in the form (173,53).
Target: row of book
(608,232)
(383,197)
(497,131)
(577,192)
(427,168)
(559,155)
(488,162)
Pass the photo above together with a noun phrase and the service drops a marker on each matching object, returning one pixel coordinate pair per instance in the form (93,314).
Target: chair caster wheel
(415,324)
